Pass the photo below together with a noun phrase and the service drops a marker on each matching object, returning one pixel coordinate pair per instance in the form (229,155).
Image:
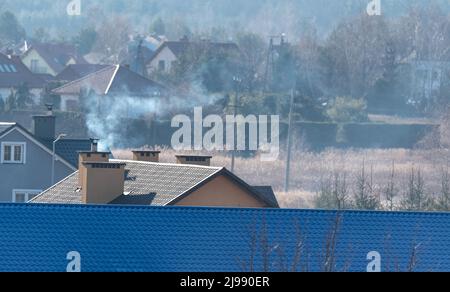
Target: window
(162,65)
(34,66)
(13,152)
(23,196)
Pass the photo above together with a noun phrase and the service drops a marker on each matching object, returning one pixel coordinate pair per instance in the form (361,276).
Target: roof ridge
(167,164)
(187,208)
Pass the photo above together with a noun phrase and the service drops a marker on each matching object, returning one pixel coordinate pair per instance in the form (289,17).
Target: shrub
(348,110)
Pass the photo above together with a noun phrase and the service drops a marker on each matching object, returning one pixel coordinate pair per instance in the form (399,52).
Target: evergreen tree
(10,28)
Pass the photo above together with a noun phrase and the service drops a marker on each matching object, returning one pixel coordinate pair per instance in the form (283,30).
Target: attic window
(13,153)
(162,65)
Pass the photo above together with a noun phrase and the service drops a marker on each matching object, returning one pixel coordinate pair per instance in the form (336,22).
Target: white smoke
(105,114)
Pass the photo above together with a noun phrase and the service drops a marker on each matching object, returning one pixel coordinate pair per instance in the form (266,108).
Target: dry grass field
(309,170)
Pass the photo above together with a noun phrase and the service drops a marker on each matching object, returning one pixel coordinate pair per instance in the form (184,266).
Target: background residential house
(26,158)
(145,181)
(114,81)
(429,79)
(38,237)
(139,51)
(13,74)
(50,58)
(170,52)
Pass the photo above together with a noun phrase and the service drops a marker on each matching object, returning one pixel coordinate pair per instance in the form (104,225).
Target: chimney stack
(194,160)
(146,155)
(102,182)
(44,126)
(99,180)
(90,156)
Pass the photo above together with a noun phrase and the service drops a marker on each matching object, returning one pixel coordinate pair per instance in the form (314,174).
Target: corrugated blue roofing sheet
(115,238)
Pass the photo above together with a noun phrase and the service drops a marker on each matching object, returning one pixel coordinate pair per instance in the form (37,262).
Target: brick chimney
(194,160)
(102,182)
(148,156)
(44,126)
(92,156)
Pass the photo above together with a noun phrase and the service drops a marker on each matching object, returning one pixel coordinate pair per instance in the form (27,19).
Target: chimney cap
(49,106)
(96,152)
(104,163)
(146,151)
(199,156)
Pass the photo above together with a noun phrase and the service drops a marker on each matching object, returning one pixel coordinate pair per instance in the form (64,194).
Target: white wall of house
(36,63)
(165,56)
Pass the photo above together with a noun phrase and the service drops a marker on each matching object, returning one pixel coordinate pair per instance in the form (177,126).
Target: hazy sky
(262,16)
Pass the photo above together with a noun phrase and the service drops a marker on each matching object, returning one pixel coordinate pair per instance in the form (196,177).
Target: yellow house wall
(221,192)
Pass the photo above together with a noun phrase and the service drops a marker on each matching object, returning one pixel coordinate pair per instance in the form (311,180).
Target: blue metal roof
(37,237)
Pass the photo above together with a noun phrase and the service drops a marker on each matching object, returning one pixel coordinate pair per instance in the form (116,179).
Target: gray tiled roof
(112,79)
(157,183)
(76,71)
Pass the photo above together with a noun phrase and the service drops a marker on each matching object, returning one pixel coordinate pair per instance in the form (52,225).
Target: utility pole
(237,82)
(61,136)
(289,142)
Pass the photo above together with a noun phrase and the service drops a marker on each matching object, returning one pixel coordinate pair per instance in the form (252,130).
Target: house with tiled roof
(88,238)
(170,52)
(108,83)
(50,58)
(146,181)
(13,73)
(26,167)
(76,71)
